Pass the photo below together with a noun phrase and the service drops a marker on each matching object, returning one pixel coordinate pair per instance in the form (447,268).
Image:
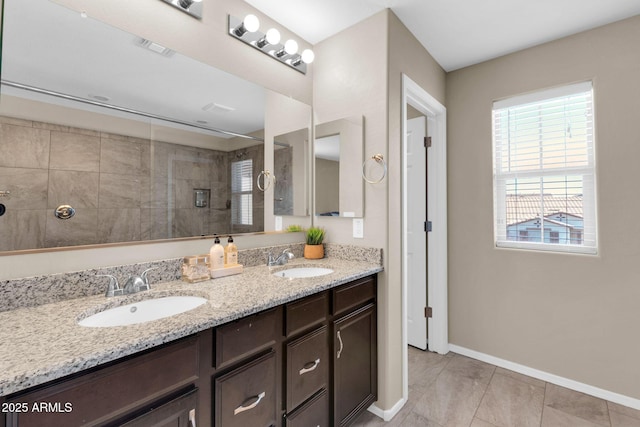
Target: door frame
(436,115)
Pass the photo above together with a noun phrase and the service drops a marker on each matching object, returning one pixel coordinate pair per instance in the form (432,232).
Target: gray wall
(371,87)
(570,315)
(327,186)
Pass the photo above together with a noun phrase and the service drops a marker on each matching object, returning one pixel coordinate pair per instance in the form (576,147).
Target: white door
(416,193)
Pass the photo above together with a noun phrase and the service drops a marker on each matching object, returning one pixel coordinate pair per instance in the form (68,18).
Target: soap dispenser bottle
(216,255)
(231,253)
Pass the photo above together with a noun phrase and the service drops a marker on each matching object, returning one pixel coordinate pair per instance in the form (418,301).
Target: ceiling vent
(155,47)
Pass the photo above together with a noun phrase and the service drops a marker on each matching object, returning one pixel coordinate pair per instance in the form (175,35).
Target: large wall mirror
(185,167)
(338,153)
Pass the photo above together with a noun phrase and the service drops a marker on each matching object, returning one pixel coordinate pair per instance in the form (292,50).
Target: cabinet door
(355,364)
(246,396)
(180,412)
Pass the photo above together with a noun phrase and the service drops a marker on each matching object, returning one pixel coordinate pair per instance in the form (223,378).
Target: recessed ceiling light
(154,47)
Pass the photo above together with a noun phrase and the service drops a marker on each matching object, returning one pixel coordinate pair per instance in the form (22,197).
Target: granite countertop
(45,342)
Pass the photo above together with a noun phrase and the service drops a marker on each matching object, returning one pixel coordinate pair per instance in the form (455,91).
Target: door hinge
(428,226)
(427,141)
(428,312)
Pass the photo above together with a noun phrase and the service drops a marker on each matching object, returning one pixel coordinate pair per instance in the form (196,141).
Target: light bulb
(291,47)
(251,23)
(273,36)
(308,56)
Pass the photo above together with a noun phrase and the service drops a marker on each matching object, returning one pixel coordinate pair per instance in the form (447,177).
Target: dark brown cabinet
(314,413)
(246,396)
(355,367)
(307,363)
(114,394)
(324,389)
(180,412)
(307,367)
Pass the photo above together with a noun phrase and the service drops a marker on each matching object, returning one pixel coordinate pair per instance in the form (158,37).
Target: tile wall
(123,188)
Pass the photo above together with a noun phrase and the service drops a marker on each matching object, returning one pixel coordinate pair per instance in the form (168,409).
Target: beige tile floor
(456,391)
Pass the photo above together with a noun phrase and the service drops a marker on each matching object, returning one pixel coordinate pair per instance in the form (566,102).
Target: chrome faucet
(282,259)
(138,283)
(134,284)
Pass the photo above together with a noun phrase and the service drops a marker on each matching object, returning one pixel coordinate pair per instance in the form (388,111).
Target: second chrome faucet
(282,259)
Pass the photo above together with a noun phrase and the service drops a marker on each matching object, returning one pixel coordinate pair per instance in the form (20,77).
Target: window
(241,192)
(544,170)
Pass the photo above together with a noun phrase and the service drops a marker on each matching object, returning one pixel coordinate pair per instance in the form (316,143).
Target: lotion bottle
(216,255)
(230,253)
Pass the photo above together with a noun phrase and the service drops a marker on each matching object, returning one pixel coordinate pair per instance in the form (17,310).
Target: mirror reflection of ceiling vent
(212,107)
(155,47)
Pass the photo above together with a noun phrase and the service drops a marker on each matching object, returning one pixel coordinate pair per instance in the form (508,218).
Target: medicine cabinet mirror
(128,177)
(290,165)
(338,153)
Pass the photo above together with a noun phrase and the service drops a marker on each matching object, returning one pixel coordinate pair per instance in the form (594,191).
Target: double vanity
(292,345)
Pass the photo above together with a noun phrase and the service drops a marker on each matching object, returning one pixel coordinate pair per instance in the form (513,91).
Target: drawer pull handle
(311,367)
(341,345)
(192,418)
(243,408)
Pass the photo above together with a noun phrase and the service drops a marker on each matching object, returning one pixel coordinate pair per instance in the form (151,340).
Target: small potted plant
(314,249)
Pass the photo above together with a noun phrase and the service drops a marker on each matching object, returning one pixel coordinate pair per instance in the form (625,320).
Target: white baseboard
(551,378)
(386,415)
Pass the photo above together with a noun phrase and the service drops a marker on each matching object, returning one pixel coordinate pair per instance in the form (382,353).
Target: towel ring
(378,158)
(268,179)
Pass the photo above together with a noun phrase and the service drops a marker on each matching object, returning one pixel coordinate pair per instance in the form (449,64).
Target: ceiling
(49,46)
(457,33)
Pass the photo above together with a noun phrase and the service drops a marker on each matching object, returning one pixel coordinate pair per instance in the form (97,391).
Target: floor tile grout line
(475,413)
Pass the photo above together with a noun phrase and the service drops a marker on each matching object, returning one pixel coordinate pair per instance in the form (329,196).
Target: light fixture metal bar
(269,49)
(123,109)
(190,7)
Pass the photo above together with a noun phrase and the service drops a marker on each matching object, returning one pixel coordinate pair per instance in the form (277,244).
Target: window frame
(240,197)
(587,174)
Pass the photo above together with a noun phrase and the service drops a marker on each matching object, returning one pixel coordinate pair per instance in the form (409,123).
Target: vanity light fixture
(247,30)
(191,7)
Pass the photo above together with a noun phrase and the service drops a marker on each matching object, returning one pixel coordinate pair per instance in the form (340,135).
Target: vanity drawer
(354,294)
(314,413)
(246,396)
(249,335)
(112,392)
(304,314)
(307,367)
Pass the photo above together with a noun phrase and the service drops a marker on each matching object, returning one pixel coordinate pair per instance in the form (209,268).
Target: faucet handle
(269,256)
(113,288)
(144,277)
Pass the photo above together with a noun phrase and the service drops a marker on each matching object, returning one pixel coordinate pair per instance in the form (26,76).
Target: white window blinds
(241,192)
(544,170)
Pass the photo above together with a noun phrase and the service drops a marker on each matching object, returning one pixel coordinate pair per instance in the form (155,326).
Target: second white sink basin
(142,311)
(302,272)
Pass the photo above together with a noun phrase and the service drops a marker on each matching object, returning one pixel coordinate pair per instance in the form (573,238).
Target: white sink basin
(142,311)
(302,272)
